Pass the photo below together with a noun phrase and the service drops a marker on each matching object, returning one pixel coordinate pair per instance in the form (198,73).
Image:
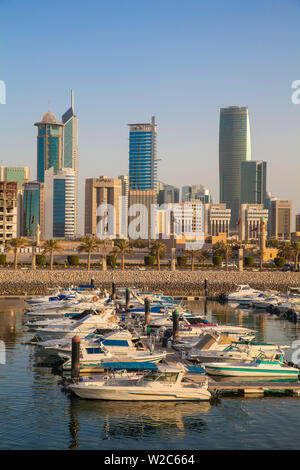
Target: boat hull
(235,371)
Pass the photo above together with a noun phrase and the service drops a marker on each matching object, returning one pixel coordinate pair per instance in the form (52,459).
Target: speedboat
(259,367)
(167,383)
(243,295)
(233,353)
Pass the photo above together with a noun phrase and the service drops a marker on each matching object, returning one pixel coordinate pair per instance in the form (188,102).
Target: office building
(168,194)
(196,191)
(142,214)
(234,147)
(250,221)
(124,205)
(49,145)
(142,156)
(33,209)
(253,182)
(103,206)
(297,225)
(281,219)
(59,203)
(216,219)
(20,174)
(8,210)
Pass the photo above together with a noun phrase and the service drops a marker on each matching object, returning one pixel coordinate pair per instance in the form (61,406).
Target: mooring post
(147,311)
(205,286)
(127,293)
(75,364)
(92,282)
(113,291)
(175,318)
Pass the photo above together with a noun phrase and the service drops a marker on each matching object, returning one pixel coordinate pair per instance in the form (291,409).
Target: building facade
(33,209)
(8,210)
(250,221)
(234,147)
(168,194)
(281,219)
(217,219)
(59,203)
(99,219)
(49,145)
(297,223)
(20,174)
(142,214)
(253,182)
(142,156)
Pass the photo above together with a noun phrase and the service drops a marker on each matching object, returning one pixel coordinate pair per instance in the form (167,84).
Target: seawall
(39,282)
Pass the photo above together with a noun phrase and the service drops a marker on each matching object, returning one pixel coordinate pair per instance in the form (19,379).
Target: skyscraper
(253,182)
(33,208)
(49,145)
(142,156)
(281,219)
(234,147)
(59,194)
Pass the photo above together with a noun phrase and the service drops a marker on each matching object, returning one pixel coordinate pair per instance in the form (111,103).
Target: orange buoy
(95,298)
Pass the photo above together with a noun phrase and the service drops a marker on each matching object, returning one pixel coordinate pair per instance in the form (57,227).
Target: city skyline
(185,99)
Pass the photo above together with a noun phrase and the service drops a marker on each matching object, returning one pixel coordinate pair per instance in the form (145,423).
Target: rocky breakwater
(186,283)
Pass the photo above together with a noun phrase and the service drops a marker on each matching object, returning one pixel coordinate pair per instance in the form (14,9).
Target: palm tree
(200,255)
(286,251)
(104,243)
(295,246)
(121,247)
(88,244)
(157,249)
(15,244)
(49,247)
(223,249)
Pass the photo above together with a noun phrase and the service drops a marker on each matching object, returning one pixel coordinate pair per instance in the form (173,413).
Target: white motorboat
(103,323)
(244,294)
(165,384)
(233,353)
(259,367)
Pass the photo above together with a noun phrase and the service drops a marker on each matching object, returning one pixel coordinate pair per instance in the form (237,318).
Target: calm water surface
(35,413)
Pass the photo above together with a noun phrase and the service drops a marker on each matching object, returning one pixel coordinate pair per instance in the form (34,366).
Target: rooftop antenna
(72,99)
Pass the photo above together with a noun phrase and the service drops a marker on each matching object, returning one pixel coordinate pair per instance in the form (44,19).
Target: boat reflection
(131,419)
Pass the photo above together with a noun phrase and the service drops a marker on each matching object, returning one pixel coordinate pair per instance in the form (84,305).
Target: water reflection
(131,419)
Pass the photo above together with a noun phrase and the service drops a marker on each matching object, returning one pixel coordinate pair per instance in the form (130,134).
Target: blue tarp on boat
(195,369)
(129,365)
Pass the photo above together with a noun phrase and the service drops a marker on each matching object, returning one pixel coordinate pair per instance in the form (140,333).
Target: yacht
(167,383)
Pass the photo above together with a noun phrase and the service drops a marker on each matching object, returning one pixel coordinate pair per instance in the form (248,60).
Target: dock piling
(147,311)
(127,293)
(175,318)
(75,363)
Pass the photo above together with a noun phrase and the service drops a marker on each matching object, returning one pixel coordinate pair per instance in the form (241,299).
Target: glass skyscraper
(142,156)
(49,145)
(31,208)
(253,182)
(234,147)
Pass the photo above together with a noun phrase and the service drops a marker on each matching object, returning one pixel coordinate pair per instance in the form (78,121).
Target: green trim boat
(259,367)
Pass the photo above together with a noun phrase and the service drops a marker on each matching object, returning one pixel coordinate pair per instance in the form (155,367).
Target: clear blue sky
(178,60)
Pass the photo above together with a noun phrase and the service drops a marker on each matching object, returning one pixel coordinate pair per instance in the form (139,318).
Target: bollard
(147,311)
(75,364)
(92,282)
(175,318)
(127,293)
(113,291)
(205,287)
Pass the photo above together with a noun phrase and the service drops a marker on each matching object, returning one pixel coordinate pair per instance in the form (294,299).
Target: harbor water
(36,413)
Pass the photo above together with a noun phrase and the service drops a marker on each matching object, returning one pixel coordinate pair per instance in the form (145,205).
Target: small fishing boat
(259,367)
(167,383)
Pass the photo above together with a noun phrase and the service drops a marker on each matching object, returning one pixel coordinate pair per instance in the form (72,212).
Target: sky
(180,61)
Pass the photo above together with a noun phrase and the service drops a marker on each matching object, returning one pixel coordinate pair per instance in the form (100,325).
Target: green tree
(224,250)
(286,251)
(15,244)
(199,255)
(50,246)
(88,244)
(157,249)
(295,248)
(121,248)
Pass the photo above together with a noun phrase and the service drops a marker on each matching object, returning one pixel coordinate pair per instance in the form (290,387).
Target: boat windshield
(156,376)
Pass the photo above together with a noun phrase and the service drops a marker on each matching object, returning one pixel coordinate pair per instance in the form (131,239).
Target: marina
(175,376)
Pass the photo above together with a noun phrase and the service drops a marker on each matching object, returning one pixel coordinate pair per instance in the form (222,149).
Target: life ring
(95,298)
